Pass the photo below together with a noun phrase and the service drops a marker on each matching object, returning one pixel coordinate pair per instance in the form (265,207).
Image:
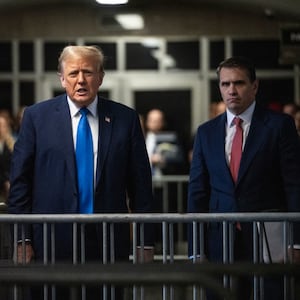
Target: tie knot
(84,111)
(237,121)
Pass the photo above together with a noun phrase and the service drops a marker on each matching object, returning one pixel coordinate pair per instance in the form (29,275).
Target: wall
(72,21)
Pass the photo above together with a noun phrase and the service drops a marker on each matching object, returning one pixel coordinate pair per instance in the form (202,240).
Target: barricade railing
(170,271)
(180,181)
(171,190)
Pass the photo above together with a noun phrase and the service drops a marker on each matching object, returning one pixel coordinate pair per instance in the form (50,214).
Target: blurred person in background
(164,151)
(7,141)
(290,108)
(297,120)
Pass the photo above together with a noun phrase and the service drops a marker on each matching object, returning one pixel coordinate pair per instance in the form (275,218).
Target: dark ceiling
(272,7)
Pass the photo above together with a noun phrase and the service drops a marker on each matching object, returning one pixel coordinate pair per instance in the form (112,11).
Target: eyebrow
(240,81)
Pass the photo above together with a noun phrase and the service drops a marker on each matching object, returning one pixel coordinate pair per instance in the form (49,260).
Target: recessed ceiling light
(130,21)
(112,2)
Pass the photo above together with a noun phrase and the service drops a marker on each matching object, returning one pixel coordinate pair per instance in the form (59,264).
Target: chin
(82,101)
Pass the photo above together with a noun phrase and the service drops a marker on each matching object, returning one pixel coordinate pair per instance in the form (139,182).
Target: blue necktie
(85,164)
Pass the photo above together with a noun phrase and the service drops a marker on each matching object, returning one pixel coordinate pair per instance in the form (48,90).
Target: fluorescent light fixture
(112,2)
(130,21)
(151,42)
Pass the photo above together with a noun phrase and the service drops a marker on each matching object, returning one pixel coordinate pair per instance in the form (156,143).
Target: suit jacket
(269,174)
(43,171)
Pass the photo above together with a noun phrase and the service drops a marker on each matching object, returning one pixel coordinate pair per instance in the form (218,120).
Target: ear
(255,85)
(101,76)
(62,81)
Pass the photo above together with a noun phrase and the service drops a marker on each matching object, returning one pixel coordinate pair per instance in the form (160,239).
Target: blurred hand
(156,158)
(294,255)
(24,258)
(145,255)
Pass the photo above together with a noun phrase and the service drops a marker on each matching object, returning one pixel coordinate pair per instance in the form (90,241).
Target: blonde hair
(82,51)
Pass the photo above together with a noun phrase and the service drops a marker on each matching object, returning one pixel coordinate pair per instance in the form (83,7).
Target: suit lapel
(63,128)
(220,138)
(105,130)
(256,137)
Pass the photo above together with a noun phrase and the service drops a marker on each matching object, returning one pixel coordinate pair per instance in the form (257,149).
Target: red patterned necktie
(236,149)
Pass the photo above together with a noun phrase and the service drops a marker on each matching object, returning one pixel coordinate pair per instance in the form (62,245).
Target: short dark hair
(240,63)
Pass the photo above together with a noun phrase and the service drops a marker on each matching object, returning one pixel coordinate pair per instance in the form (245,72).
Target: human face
(155,121)
(238,93)
(81,79)
(4,127)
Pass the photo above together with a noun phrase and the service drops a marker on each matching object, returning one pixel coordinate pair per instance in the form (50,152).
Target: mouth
(82,91)
(233,100)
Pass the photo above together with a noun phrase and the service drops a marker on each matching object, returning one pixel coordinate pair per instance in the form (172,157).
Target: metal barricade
(172,275)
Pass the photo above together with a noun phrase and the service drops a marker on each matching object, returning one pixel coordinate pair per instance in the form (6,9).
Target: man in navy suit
(43,172)
(269,174)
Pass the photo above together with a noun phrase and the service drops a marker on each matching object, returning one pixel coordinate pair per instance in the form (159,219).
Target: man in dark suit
(44,167)
(268,177)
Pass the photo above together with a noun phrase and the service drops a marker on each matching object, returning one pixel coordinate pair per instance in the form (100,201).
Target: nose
(232,89)
(81,77)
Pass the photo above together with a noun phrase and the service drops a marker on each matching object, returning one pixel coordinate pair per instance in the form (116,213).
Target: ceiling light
(112,2)
(130,21)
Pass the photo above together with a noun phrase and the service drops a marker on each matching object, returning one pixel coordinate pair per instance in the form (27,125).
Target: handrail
(153,217)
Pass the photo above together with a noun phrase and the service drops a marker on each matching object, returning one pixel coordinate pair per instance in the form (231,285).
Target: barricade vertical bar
(23,244)
(291,290)
(45,244)
(134,242)
(75,254)
(202,252)
(255,259)
(15,244)
(104,249)
(171,254)
(82,256)
(171,242)
(287,241)
(45,256)
(195,238)
(134,254)
(141,258)
(52,237)
(225,250)
(231,247)
(112,254)
(261,229)
(142,243)
(194,241)
(112,242)
(82,243)
(165,244)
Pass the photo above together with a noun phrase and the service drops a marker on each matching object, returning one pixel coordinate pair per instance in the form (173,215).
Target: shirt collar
(246,115)
(74,109)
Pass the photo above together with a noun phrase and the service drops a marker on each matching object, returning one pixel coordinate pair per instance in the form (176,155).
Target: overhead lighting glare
(112,2)
(130,21)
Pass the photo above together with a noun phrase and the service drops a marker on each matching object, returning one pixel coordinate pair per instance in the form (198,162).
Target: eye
(73,74)
(88,73)
(225,84)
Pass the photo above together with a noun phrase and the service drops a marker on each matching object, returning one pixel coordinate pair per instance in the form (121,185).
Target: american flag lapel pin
(107,119)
